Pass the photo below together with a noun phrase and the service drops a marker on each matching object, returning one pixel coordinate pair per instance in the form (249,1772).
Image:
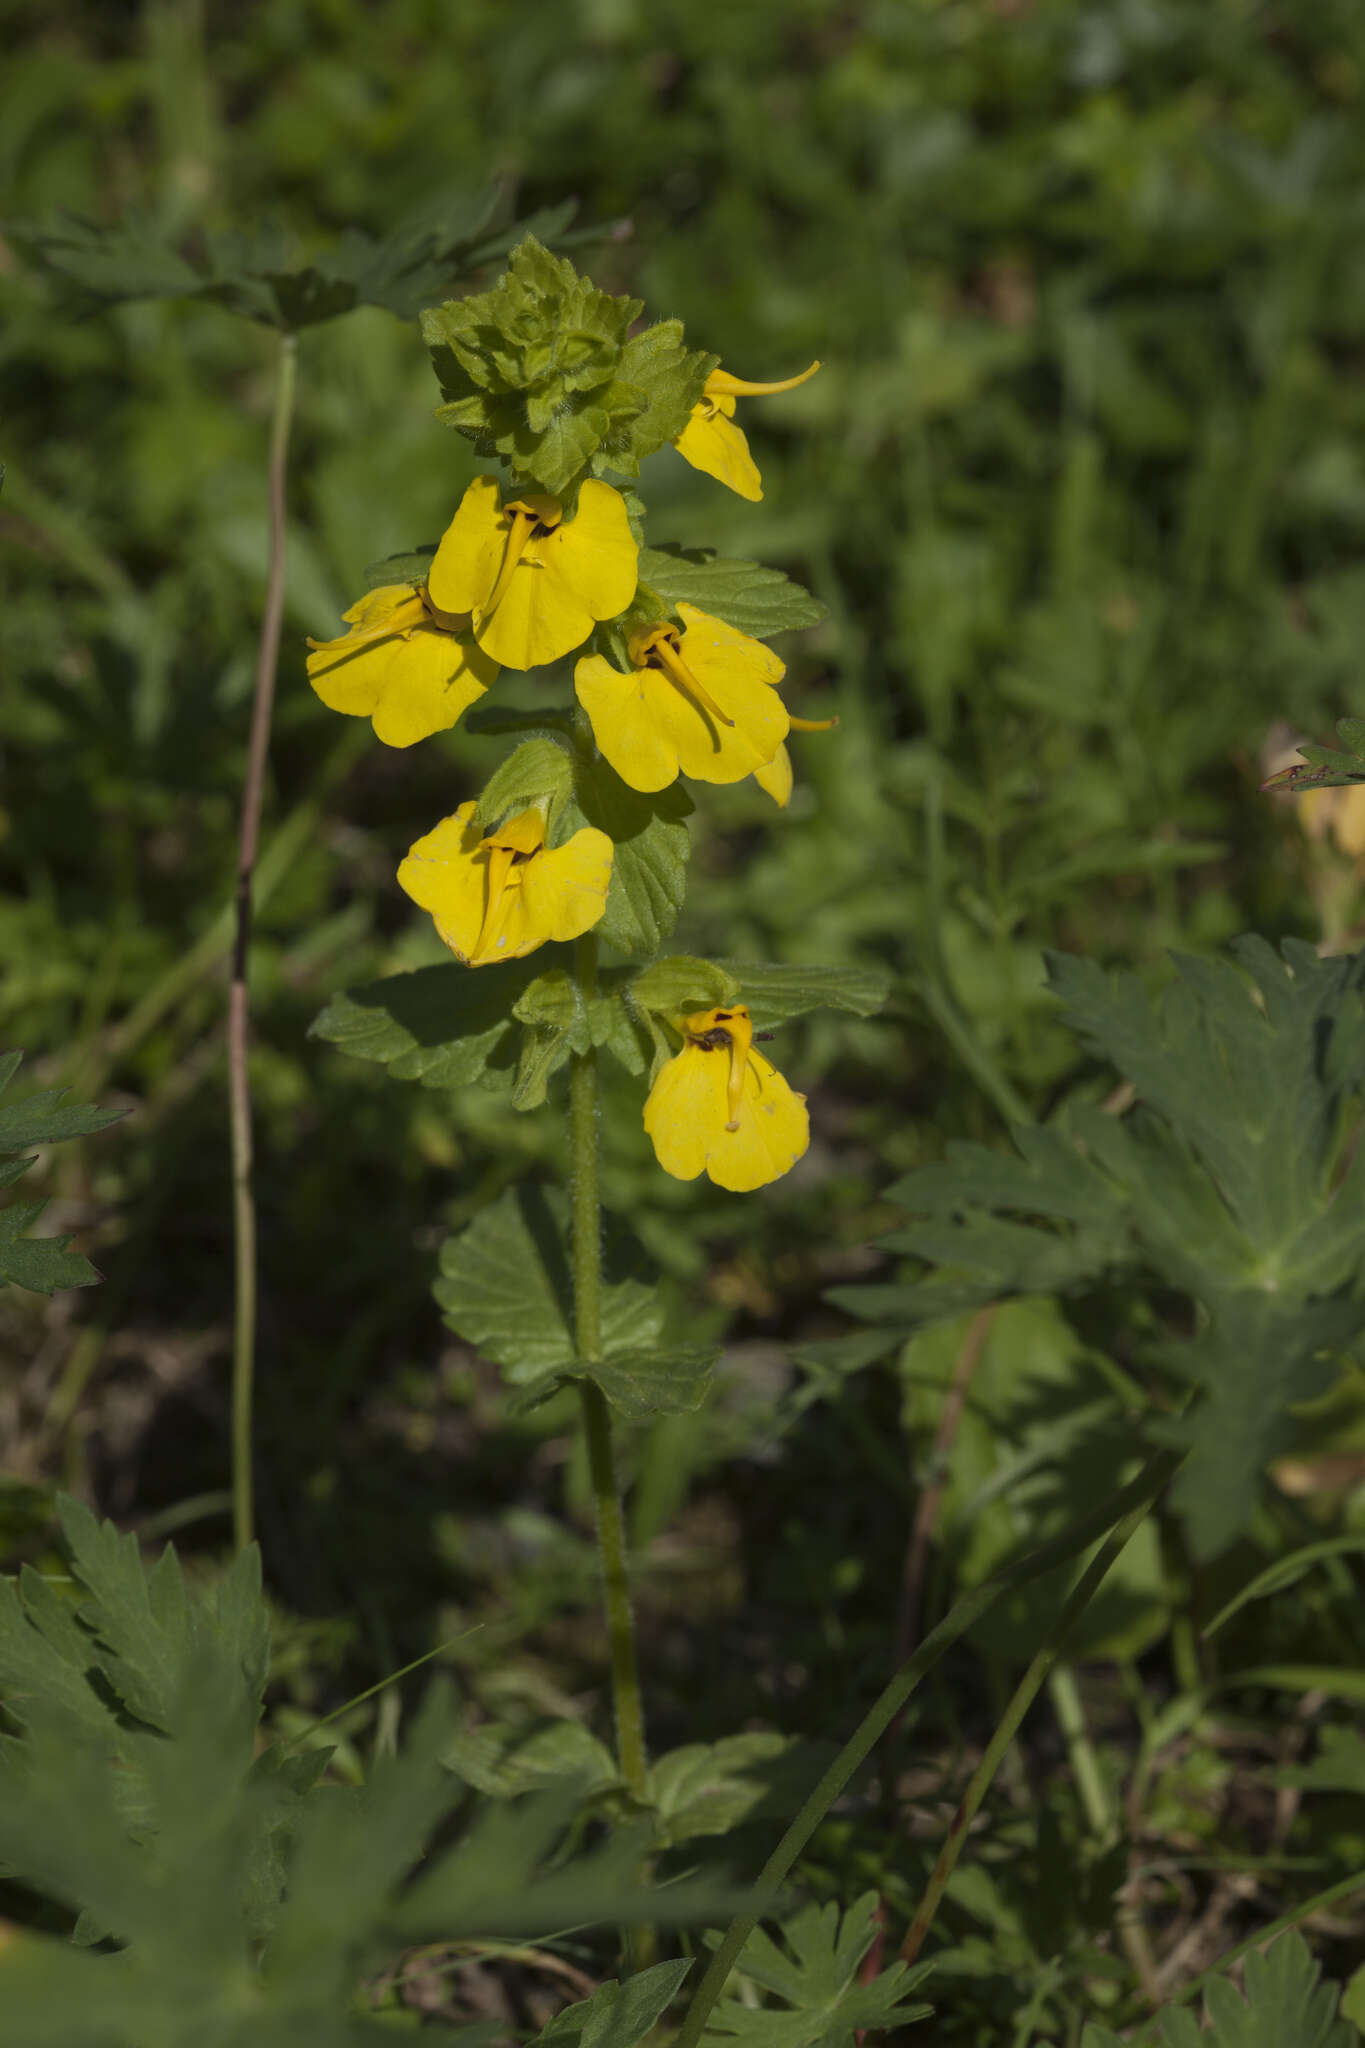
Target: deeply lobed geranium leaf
(1224,1183)
(814,1971)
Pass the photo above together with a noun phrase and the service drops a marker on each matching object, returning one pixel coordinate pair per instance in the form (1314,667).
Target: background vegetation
(1082,485)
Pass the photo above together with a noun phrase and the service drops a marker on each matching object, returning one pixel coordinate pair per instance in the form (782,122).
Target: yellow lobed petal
(688,1116)
(465,566)
(775,777)
(454,872)
(712,443)
(630,715)
(584,570)
(433,678)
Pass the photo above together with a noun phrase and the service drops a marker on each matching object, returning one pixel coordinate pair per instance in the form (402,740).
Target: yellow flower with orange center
(718,1107)
(535,582)
(499,894)
(697,700)
(408,667)
(712,442)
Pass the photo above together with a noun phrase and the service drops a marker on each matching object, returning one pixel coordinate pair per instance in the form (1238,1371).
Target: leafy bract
(1224,1183)
(41,1263)
(752,599)
(506,1286)
(816,1975)
(538,771)
(428,252)
(443,1026)
(542,371)
(775,993)
(651,847)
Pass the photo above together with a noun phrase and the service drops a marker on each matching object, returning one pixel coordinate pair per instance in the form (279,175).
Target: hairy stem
(1133,1499)
(239,1083)
(587,1292)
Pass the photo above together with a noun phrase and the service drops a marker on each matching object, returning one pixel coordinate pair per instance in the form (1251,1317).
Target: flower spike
(713,443)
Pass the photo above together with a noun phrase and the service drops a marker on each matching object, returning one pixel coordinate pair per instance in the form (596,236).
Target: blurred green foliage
(1081,485)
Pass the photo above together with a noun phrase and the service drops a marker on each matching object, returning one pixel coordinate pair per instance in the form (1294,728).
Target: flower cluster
(544,373)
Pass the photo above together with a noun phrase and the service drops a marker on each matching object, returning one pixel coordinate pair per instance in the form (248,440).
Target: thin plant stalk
(1134,1499)
(239,1019)
(587,1291)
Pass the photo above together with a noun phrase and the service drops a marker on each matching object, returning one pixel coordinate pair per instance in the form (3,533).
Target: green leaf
(42,1264)
(413,567)
(707,1788)
(442,1026)
(815,1973)
(1284,2002)
(506,1761)
(538,771)
(617,2015)
(553,1001)
(506,1286)
(655,364)
(773,994)
(680,981)
(648,875)
(745,595)
(1224,1183)
(448,237)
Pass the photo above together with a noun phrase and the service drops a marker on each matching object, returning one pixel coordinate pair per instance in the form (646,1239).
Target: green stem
(587,1292)
(1136,1497)
(239,1083)
(1024,1695)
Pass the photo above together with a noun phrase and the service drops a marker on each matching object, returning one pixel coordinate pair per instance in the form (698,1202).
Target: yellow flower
(536,582)
(408,667)
(712,442)
(718,1106)
(701,701)
(498,895)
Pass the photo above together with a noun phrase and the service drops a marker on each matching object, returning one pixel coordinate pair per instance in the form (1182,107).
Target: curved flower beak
(407,667)
(713,443)
(499,895)
(718,1107)
(534,582)
(699,702)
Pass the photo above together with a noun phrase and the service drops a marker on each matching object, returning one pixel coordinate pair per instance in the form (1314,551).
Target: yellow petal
(465,566)
(583,571)
(739,673)
(775,776)
(443,873)
(624,713)
(715,445)
(687,1114)
(564,890)
(432,678)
